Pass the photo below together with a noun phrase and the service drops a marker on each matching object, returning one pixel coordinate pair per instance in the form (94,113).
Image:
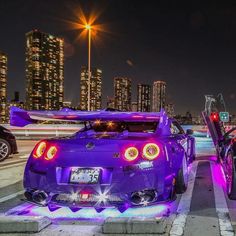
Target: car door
(178,132)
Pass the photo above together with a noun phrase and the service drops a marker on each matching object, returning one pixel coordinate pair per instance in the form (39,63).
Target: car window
(140,127)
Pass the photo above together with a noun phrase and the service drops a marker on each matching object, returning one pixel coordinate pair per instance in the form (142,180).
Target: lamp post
(88,28)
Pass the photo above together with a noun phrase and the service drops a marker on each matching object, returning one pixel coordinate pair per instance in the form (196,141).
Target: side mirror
(189,132)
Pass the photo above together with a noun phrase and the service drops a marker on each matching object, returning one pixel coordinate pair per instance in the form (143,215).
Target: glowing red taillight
(151,151)
(51,153)
(39,150)
(44,149)
(131,153)
(214,116)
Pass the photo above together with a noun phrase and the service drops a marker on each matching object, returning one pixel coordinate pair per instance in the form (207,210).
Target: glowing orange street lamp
(89,25)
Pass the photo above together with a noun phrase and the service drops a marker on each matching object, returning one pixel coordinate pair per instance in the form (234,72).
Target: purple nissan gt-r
(119,159)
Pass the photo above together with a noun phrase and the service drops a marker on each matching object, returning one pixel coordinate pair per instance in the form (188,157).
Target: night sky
(189,44)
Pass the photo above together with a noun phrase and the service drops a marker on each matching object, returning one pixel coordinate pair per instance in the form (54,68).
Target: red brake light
(214,116)
(151,151)
(131,153)
(51,153)
(39,150)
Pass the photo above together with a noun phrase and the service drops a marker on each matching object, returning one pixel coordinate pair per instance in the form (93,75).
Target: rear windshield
(140,127)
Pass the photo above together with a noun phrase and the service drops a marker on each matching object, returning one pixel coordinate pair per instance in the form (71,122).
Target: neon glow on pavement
(90,213)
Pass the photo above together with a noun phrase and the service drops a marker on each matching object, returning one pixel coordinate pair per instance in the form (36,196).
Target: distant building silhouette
(95,89)
(170,109)
(122,92)
(158,95)
(144,97)
(3,88)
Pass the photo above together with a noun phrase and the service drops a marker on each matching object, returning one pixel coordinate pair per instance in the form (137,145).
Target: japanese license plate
(84,175)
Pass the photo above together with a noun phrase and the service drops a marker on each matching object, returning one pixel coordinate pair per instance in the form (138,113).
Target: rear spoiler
(20,117)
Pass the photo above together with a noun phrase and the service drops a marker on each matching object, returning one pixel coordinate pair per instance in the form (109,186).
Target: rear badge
(90,146)
(116,155)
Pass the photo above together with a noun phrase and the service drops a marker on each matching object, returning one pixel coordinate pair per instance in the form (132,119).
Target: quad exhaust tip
(39,197)
(143,197)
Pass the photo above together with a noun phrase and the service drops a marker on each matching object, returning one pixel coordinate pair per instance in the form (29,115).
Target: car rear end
(102,171)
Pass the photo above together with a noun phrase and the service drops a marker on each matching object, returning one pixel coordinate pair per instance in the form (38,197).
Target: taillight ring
(131,153)
(39,149)
(151,151)
(44,149)
(51,153)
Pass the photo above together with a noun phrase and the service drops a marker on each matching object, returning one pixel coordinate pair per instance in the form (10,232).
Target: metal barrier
(38,131)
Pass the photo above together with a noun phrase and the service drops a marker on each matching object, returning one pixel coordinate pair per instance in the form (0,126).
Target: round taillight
(151,151)
(39,149)
(131,153)
(51,153)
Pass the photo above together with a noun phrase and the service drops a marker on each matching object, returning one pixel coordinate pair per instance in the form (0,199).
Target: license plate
(84,176)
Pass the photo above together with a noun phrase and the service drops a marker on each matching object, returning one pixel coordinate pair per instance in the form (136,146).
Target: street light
(88,28)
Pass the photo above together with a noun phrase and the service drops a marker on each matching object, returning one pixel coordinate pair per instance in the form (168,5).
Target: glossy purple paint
(119,179)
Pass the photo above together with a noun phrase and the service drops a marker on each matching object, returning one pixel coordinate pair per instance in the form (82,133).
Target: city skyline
(3,86)
(198,50)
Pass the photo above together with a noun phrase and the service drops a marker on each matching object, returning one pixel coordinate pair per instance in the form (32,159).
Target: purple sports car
(119,159)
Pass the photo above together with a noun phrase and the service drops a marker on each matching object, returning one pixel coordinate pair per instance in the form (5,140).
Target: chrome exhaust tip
(40,197)
(28,195)
(143,197)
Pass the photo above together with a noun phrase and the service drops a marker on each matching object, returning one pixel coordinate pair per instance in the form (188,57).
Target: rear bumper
(119,185)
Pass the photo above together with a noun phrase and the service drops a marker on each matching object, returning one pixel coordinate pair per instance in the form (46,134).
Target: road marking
(222,210)
(24,156)
(12,164)
(177,228)
(11,196)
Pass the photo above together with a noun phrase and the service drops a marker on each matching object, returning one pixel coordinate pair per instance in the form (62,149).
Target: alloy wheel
(3,150)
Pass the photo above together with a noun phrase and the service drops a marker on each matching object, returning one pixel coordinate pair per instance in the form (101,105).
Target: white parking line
(222,210)
(177,228)
(24,156)
(11,196)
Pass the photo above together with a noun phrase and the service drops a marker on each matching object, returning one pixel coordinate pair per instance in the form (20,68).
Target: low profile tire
(172,194)
(5,149)
(218,154)
(230,176)
(182,178)
(193,152)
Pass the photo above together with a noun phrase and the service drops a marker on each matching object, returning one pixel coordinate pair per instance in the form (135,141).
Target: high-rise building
(170,109)
(158,95)
(144,97)
(3,88)
(95,89)
(44,71)
(122,92)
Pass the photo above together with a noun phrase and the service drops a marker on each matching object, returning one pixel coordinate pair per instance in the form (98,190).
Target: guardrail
(52,130)
(38,131)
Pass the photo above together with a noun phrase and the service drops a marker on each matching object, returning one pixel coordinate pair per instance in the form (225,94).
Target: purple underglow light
(91,213)
(218,175)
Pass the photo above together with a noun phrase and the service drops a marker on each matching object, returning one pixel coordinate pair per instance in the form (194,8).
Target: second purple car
(119,159)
